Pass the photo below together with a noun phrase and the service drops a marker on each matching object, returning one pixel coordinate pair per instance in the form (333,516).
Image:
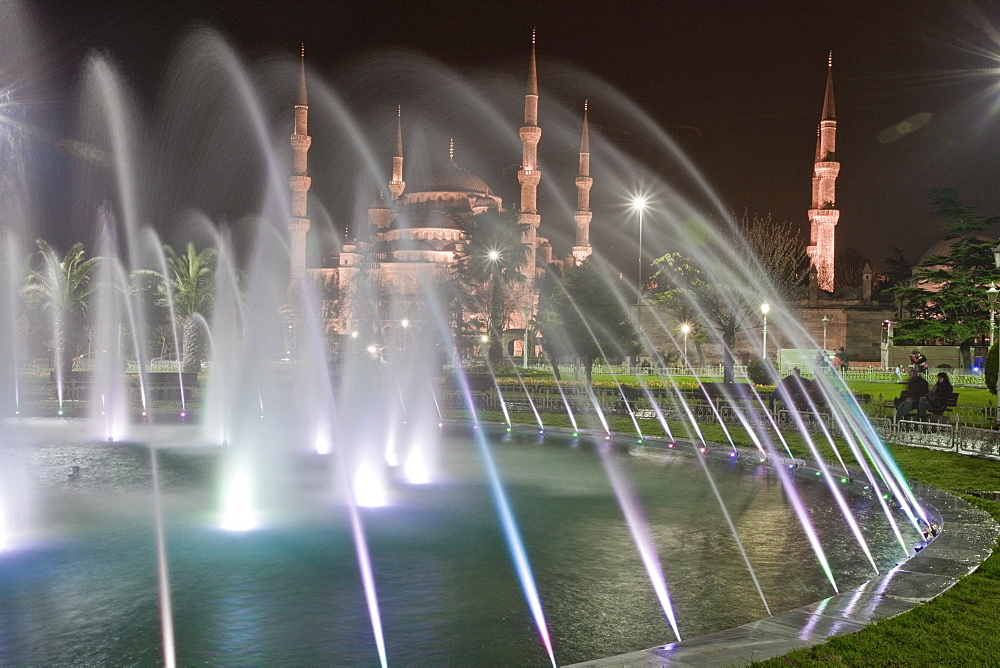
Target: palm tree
(192,287)
(489,265)
(62,288)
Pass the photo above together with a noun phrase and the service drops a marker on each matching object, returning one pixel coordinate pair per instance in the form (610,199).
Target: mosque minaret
(583,215)
(529,175)
(299,181)
(823,216)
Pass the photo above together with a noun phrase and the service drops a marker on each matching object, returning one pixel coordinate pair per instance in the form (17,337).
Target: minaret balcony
(530,134)
(300,142)
(531,177)
(299,182)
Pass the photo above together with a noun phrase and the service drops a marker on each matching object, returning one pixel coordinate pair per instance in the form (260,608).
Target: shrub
(990,372)
(757,373)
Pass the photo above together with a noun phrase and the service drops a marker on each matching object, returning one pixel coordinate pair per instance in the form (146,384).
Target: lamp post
(527,315)
(639,204)
(405,324)
(991,296)
(764,308)
(685,329)
(825,320)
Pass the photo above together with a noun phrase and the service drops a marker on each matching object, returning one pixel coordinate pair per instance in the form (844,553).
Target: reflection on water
(290,593)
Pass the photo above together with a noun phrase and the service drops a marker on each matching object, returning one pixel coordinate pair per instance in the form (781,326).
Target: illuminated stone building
(414,235)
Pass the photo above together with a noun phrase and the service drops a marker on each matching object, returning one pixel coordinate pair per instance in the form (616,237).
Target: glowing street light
(639,204)
(764,308)
(493,255)
(405,323)
(825,320)
(685,330)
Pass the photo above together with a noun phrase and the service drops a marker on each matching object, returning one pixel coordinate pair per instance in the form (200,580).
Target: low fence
(959,436)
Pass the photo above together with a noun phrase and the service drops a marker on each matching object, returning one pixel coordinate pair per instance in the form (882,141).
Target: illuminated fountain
(311,517)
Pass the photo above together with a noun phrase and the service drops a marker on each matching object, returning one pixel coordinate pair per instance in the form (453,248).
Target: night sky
(737,85)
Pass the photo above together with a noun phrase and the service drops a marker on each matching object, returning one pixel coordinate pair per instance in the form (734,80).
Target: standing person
(937,398)
(916,389)
(836,362)
(844,358)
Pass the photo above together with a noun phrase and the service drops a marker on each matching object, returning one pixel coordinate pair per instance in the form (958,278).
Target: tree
(945,301)
(62,288)
(192,289)
(899,269)
(489,266)
(588,316)
(727,311)
(756,260)
(849,267)
(778,248)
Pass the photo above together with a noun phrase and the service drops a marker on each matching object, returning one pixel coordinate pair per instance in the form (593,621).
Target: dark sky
(737,85)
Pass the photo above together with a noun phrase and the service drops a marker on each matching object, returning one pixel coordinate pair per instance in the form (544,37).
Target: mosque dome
(452,179)
(944,247)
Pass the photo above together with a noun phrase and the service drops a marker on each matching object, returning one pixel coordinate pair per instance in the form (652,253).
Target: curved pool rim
(966,538)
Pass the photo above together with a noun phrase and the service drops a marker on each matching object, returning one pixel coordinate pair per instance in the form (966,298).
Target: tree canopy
(585,315)
(945,302)
(489,266)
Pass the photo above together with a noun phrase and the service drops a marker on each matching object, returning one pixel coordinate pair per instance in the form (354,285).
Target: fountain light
(368,489)
(238,513)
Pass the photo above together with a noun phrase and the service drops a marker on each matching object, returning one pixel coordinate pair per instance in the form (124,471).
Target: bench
(938,413)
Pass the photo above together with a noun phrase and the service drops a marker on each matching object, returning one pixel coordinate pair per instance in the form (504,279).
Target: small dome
(379,203)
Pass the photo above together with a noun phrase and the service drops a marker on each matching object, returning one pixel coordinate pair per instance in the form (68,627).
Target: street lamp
(405,324)
(639,204)
(825,320)
(764,308)
(354,342)
(685,329)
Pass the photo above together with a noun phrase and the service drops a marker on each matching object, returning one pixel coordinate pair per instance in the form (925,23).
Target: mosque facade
(415,234)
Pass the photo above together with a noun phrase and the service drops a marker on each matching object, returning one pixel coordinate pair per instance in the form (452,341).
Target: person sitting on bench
(792,392)
(916,389)
(936,399)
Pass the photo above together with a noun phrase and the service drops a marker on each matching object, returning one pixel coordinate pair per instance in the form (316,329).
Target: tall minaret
(582,249)
(529,174)
(823,215)
(397,184)
(299,181)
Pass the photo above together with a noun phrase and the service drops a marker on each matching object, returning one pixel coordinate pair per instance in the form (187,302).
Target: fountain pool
(84,589)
